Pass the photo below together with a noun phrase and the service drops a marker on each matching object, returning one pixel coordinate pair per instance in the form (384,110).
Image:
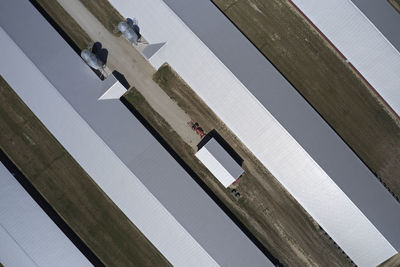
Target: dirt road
(124,58)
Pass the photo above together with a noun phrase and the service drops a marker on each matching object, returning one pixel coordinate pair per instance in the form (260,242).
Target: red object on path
(196,127)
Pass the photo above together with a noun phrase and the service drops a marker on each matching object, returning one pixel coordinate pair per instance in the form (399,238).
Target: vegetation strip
(46,207)
(395,4)
(63,23)
(105,13)
(323,77)
(74,196)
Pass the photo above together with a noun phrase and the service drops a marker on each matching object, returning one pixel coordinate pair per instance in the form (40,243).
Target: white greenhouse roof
(97,159)
(360,42)
(122,147)
(28,237)
(215,167)
(258,130)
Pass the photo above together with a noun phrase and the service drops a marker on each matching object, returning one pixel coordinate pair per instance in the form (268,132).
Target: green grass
(265,208)
(86,209)
(325,80)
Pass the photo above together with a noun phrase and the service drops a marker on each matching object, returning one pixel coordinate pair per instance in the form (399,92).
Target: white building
(155,193)
(28,237)
(219,162)
(97,159)
(265,137)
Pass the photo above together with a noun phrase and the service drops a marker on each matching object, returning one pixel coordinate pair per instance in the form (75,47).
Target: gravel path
(124,58)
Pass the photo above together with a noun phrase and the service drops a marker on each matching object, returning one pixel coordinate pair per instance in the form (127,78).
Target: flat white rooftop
(28,237)
(215,167)
(384,17)
(259,131)
(121,156)
(114,92)
(151,218)
(360,42)
(219,162)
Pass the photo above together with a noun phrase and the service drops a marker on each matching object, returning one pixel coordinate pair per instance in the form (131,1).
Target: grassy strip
(98,222)
(105,13)
(395,4)
(391,262)
(323,77)
(101,9)
(272,216)
(65,22)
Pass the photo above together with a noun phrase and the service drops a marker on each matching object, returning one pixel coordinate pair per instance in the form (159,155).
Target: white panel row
(28,237)
(258,130)
(360,42)
(96,158)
